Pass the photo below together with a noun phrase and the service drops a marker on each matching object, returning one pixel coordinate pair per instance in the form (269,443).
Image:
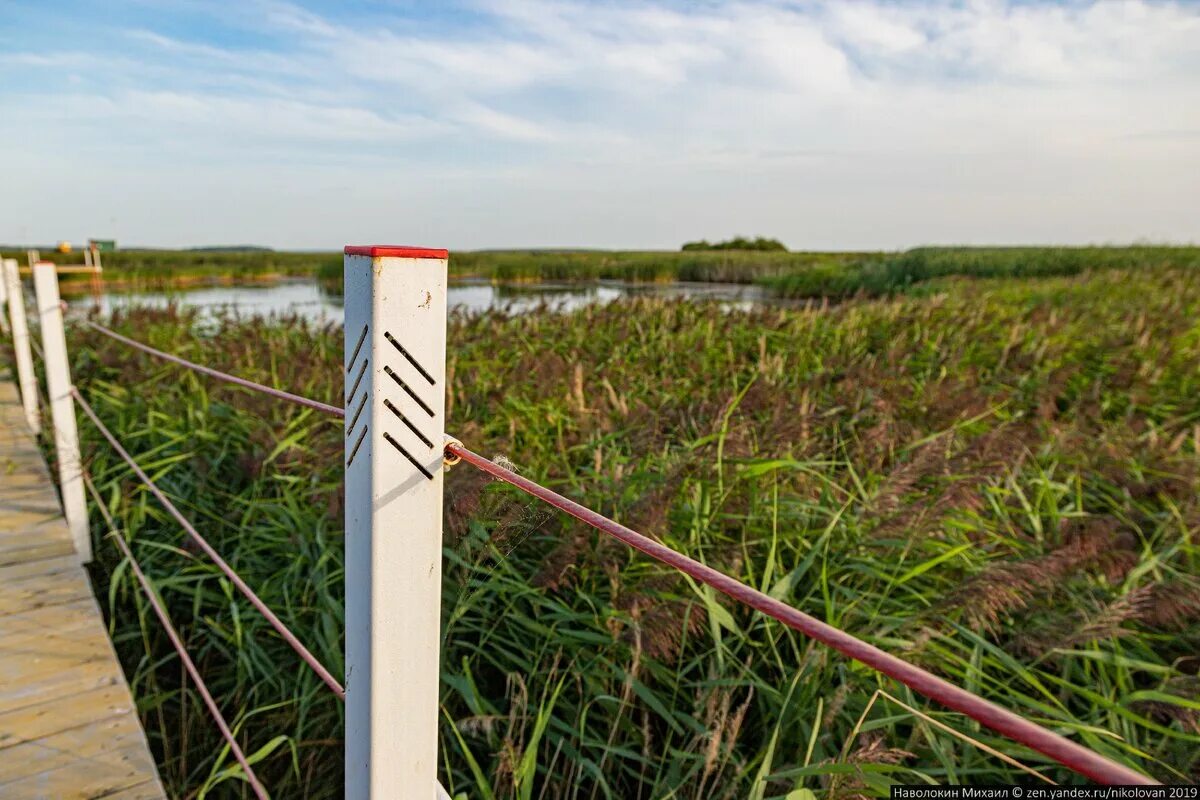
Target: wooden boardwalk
(68,727)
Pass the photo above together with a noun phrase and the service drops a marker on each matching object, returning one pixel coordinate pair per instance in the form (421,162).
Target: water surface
(306,298)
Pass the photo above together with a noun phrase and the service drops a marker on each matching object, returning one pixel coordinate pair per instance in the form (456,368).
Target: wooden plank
(54,569)
(35,552)
(68,646)
(143,791)
(29,666)
(29,539)
(26,476)
(38,619)
(63,630)
(68,725)
(52,590)
(24,514)
(44,719)
(120,737)
(79,780)
(17,500)
(58,684)
(12,573)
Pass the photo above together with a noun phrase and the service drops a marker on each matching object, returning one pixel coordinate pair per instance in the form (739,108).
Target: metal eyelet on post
(450,460)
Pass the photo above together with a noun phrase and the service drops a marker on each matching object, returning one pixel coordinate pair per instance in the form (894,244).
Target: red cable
(188,664)
(254,599)
(1063,750)
(222,376)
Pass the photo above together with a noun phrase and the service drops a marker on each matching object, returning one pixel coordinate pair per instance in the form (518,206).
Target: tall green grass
(724,266)
(905,270)
(998,481)
(166,268)
(810,275)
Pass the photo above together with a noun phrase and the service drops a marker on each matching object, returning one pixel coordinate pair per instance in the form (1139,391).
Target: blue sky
(861,124)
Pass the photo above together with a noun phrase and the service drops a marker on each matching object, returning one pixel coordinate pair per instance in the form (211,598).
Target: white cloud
(869,26)
(504,125)
(859,123)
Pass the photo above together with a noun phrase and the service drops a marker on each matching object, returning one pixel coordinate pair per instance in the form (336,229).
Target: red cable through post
(215,373)
(254,599)
(1063,750)
(188,664)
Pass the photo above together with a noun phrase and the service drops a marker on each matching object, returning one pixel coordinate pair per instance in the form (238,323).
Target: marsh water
(308,299)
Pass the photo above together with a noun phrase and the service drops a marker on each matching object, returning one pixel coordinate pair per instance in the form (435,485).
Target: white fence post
(62,406)
(395,370)
(26,379)
(3,297)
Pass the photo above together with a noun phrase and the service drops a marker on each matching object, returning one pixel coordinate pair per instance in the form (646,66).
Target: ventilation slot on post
(353,393)
(362,337)
(358,444)
(392,374)
(408,455)
(361,372)
(387,335)
(357,414)
(424,439)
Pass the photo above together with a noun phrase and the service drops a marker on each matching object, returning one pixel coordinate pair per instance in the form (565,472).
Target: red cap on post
(394,251)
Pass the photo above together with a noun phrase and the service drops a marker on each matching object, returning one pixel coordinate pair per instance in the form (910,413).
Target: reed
(915,268)
(999,480)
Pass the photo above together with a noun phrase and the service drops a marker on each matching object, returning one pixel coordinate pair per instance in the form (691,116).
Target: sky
(867,124)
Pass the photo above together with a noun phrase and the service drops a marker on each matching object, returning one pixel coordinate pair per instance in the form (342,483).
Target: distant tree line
(739,243)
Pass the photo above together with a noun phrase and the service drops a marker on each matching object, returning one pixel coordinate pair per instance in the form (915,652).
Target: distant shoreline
(804,274)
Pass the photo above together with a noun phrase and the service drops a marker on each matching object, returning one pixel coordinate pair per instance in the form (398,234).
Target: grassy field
(155,269)
(810,275)
(790,274)
(914,268)
(728,266)
(998,480)
(162,268)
